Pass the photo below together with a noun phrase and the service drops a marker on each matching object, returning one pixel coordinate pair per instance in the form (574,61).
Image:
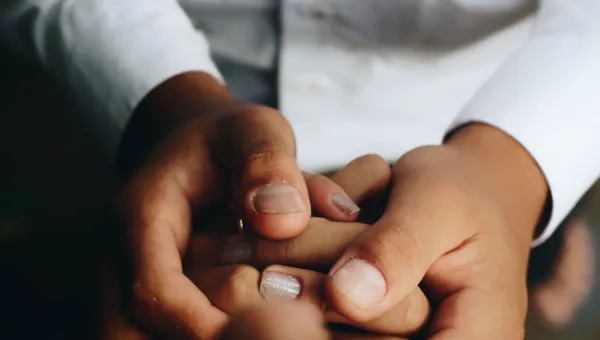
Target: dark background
(54,190)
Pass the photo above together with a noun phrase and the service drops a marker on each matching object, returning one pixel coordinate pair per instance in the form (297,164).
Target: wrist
(180,99)
(507,171)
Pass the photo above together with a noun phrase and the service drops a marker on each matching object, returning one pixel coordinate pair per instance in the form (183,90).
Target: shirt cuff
(547,98)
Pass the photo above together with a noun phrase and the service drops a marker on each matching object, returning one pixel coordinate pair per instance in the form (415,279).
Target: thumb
(290,320)
(386,262)
(256,145)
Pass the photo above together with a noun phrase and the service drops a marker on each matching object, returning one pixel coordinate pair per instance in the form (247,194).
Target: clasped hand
(452,224)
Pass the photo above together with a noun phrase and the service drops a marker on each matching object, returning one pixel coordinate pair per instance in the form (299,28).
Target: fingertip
(330,200)
(278,210)
(280,227)
(294,283)
(279,199)
(364,176)
(356,289)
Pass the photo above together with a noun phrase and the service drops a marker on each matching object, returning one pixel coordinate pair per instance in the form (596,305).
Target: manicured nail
(345,204)
(279,285)
(236,252)
(278,199)
(360,282)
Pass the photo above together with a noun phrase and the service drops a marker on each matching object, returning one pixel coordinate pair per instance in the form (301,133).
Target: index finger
(163,300)
(335,198)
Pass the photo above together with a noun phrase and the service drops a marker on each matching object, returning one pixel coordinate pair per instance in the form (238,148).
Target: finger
(163,300)
(204,247)
(473,314)
(363,177)
(318,246)
(329,200)
(346,336)
(275,321)
(257,148)
(367,180)
(386,262)
(406,318)
(335,197)
(114,324)
(306,285)
(232,289)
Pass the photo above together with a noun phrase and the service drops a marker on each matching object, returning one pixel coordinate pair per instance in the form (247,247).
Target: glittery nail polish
(276,284)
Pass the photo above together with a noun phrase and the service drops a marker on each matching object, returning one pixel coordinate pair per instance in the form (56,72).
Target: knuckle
(263,151)
(395,247)
(378,170)
(447,189)
(240,287)
(266,158)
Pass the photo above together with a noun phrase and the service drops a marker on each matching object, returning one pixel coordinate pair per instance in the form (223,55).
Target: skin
(285,320)
(452,224)
(189,146)
(233,288)
(459,219)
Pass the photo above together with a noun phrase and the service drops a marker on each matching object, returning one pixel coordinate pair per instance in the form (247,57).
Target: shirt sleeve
(108,53)
(547,96)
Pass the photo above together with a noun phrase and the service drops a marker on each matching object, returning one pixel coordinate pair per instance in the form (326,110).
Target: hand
(317,248)
(459,221)
(190,146)
(274,321)
(234,288)
(236,293)
(286,320)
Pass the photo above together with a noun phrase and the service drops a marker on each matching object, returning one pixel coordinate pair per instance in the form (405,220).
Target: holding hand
(459,222)
(233,288)
(189,146)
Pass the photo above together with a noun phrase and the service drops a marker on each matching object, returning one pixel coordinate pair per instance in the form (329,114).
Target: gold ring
(240,225)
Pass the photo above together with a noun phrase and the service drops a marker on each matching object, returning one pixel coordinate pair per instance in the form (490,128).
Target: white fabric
(108,53)
(548,98)
(356,76)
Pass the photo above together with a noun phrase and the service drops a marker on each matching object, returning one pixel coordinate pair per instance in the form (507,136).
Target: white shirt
(355,76)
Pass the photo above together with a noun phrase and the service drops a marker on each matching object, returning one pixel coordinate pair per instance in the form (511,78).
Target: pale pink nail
(344,204)
(278,198)
(361,282)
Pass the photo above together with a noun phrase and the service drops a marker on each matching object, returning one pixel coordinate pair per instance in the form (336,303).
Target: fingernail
(345,204)
(279,285)
(278,199)
(360,282)
(236,252)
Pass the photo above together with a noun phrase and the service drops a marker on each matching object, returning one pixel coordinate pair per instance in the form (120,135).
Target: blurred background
(55,190)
